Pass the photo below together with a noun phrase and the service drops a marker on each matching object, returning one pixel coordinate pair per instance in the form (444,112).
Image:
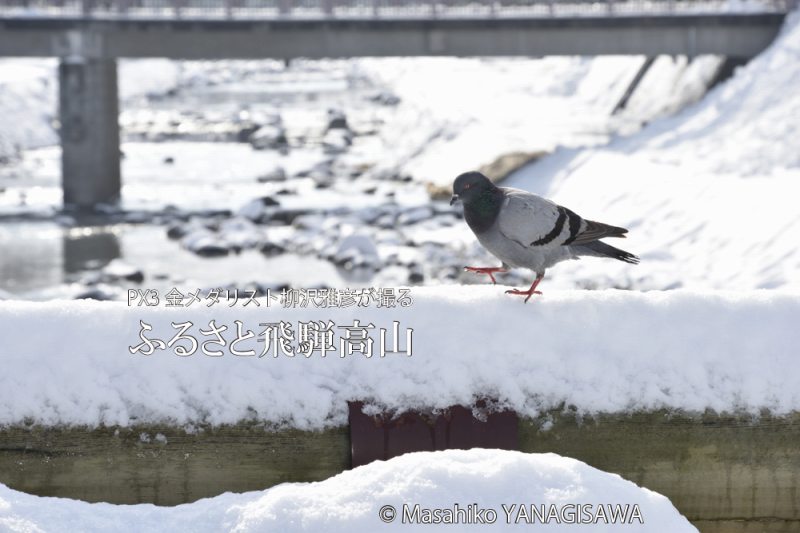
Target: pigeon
(524,230)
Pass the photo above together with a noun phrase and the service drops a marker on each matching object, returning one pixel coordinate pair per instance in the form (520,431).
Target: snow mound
(602,351)
(354,501)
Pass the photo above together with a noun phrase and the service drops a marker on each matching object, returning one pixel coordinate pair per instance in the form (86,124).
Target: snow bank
(142,77)
(351,502)
(708,195)
(747,126)
(692,230)
(486,107)
(29,90)
(602,351)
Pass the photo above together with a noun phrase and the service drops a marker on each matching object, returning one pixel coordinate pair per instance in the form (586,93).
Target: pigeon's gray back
(526,217)
(527,232)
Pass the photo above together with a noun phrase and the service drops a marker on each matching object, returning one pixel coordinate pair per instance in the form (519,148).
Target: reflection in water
(38,260)
(88,249)
(30,256)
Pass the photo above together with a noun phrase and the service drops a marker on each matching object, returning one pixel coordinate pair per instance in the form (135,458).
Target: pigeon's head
(470,185)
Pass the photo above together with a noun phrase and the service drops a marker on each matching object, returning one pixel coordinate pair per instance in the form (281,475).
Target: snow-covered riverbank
(708,194)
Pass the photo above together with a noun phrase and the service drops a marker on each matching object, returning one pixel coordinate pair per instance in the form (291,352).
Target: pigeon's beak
(454,199)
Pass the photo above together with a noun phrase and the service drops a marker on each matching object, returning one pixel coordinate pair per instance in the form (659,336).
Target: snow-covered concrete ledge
(600,351)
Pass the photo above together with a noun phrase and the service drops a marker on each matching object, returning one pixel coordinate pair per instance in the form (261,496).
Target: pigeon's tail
(607,230)
(601,249)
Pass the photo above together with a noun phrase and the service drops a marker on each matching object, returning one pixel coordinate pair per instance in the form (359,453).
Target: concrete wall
(724,473)
(132,465)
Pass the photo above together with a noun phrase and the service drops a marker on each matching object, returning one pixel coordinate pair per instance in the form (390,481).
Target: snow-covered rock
(117,269)
(357,250)
(337,141)
(240,232)
(276,174)
(311,222)
(415,215)
(259,208)
(385,98)
(268,137)
(206,243)
(272,249)
(337,120)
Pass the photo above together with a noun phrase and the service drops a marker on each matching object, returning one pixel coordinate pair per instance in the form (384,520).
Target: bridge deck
(421,9)
(734,35)
(218,29)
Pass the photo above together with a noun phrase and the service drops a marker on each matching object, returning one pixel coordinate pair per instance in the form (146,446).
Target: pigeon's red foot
(530,292)
(486,270)
(527,293)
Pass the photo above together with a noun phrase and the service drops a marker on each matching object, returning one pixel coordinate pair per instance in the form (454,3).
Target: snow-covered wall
(70,362)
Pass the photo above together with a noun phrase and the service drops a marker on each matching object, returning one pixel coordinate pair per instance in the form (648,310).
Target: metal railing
(276,9)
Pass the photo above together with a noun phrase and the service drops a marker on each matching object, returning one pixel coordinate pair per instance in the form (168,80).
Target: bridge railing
(249,9)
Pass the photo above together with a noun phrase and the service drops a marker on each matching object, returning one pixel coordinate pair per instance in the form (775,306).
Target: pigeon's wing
(531,220)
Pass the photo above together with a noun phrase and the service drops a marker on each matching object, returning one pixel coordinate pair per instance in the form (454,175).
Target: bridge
(89,35)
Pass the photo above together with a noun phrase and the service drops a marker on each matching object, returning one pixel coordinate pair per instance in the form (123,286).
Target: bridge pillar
(89,108)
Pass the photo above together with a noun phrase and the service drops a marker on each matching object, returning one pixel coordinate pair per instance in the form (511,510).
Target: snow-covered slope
(355,501)
(692,229)
(456,114)
(29,89)
(709,195)
(747,127)
(608,351)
